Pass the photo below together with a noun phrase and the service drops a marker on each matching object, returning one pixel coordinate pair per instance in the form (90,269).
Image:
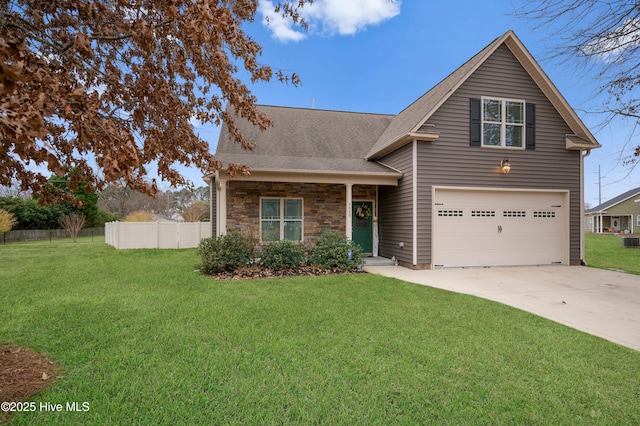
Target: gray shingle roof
(612,202)
(308,140)
(336,141)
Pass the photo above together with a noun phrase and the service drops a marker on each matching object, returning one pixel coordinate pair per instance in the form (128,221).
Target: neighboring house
(177,217)
(427,185)
(620,214)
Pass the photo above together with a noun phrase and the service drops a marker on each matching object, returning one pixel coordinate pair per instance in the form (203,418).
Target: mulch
(23,372)
(259,271)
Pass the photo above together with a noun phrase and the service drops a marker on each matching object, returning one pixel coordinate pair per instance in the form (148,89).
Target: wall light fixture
(505,166)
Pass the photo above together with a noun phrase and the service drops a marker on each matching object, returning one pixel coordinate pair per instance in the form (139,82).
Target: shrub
(30,215)
(140,216)
(103,217)
(334,250)
(225,253)
(196,211)
(7,221)
(282,255)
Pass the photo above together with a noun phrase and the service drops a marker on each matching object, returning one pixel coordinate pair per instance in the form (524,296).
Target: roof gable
(407,125)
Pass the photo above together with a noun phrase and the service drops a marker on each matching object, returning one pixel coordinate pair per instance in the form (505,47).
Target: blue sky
(380,56)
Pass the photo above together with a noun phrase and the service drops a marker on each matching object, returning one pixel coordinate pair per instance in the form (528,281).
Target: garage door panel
(491,228)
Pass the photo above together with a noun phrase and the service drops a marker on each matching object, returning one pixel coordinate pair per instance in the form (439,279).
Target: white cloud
(610,47)
(282,28)
(346,17)
(343,17)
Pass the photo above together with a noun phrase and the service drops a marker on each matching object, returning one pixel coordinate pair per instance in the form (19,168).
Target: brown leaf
(104,71)
(12,72)
(83,44)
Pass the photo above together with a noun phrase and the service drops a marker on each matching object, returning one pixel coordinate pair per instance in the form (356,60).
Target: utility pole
(599,186)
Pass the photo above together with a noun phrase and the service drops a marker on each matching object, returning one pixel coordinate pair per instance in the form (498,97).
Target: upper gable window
(503,123)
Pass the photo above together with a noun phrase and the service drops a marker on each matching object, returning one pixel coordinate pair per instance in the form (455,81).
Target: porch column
(349,219)
(600,224)
(375,225)
(221,228)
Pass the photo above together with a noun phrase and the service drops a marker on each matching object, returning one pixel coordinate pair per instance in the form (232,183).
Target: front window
(502,123)
(281,219)
(638,220)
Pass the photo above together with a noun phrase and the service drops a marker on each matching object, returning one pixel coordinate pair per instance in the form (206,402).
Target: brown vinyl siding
(450,161)
(395,210)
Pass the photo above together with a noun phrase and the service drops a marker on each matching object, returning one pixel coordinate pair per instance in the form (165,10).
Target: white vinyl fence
(161,235)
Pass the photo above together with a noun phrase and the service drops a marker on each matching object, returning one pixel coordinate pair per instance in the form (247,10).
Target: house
(484,169)
(620,214)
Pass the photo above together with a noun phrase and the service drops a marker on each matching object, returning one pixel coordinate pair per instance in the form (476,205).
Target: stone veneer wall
(324,204)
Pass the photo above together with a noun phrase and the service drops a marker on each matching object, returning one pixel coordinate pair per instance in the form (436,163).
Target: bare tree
(117,83)
(195,212)
(72,223)
(202,193)
(183,198)
(605,36)
(121,200)
(14,191)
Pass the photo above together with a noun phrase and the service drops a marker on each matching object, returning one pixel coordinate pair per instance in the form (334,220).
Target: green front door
(362,215)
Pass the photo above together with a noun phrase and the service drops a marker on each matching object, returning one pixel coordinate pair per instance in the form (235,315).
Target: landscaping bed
(260,271)
(23,372)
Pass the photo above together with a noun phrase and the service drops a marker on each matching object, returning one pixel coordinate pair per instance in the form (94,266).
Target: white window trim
(503,124)
(638,220)
(282,220)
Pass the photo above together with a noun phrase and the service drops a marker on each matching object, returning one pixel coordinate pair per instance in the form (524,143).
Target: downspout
(582,157)
(415,202)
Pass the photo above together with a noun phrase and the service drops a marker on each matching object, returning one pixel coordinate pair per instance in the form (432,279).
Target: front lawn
(606,252)
(143,339)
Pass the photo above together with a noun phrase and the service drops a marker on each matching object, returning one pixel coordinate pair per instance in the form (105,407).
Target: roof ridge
(325,110)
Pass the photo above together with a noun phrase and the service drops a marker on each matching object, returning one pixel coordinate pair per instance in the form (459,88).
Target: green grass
(146,340)
(606,252)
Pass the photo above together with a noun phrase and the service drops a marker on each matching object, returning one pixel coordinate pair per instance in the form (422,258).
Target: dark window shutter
(476,122)
(531,127)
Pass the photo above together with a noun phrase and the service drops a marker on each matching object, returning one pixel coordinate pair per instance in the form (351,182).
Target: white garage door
(496,228)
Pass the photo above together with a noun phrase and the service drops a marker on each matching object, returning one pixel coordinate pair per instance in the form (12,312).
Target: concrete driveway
(599,302)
